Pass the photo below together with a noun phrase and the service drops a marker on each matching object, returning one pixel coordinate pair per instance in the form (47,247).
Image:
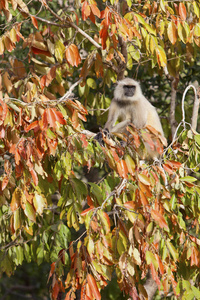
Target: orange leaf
(72,55)
(182,11)
(122,168)
(160,264)
(34,176)
(75,120)
(143,199)
(130,205)
(51,118)
(195,257)
(55,289)
(34,21)
(16,199)
(5,182)
(85,11)
(8,43)
(159,218)
(85,212)
(93,286)
(31,126)
(95,10)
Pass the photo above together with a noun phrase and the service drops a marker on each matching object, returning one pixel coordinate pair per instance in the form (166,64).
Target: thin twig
(69,92)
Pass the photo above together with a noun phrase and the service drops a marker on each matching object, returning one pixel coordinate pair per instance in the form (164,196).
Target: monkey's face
(129,90)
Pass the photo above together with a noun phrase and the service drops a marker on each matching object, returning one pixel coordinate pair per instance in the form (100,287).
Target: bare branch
(174,85)
(69,23)
(67,95)
(195,108)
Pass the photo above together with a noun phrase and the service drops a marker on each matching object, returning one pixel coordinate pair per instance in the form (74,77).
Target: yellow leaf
(40,203)
(13,35)
(161,56)
(197,30)
(1,47)
(172,32)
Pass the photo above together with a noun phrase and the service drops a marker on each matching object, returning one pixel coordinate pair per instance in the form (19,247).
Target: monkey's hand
(99,136)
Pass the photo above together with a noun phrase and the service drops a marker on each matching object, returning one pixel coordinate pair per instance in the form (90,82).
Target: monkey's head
(128,89)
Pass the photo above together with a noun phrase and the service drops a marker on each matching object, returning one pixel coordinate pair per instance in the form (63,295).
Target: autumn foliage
(140,216)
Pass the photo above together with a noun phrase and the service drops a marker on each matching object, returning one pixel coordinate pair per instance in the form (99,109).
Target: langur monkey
(130,106)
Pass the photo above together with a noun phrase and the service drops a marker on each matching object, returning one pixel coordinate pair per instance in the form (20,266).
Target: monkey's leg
(120,127)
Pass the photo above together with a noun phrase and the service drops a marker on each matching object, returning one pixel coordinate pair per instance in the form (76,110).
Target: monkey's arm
(120,127)
(112,117)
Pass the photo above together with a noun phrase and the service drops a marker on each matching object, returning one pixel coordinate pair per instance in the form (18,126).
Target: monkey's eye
(129,90)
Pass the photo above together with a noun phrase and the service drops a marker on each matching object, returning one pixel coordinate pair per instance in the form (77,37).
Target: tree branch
(173,124)
(195,109)
(69,23)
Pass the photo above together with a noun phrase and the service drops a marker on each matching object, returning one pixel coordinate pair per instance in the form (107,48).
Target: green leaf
(66,164)
(40,254)
(173,202)
(197,139)
(196,292)
(79,188)
(59,51)
(27,253)
(162,5)
(91,83)
(150,258)
(97,192)
(196,9)
(188,179)
(19,255)
(183,31)
(30,212)
(172,250)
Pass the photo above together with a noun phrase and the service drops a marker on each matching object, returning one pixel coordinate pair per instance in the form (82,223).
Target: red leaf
(182,11)
(93,286)
(52,270)
(85,212)
(159,218)
(39,51)
(89,201)
(92,17)
(83,139)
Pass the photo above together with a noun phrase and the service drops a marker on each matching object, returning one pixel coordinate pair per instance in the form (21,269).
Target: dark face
(129,90)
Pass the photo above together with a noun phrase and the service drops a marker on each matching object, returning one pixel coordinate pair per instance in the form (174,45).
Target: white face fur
(119,90)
